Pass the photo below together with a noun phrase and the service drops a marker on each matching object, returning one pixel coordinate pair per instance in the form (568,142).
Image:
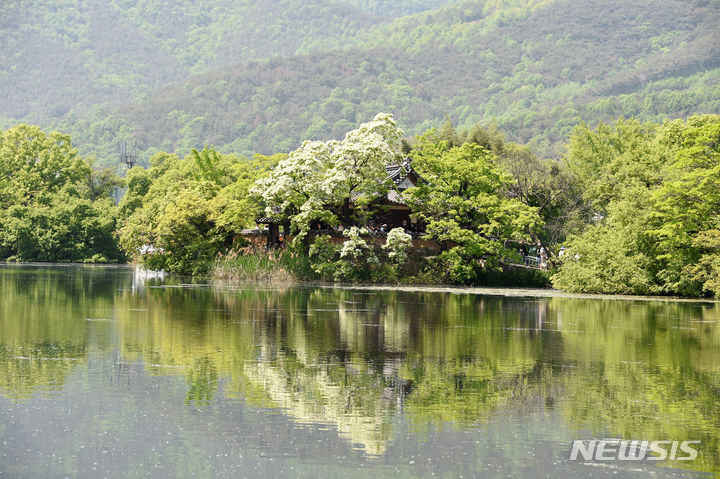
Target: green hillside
(261,76)
(394,8)
(69,55)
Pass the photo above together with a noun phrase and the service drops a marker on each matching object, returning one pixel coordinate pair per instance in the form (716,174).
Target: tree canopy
(635,206)
(461,199)
(53,205)
(320,181)
(181,212)
(657,210)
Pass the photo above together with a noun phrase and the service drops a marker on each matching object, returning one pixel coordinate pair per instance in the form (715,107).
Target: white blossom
(355,248)
(317,179)
(397,244)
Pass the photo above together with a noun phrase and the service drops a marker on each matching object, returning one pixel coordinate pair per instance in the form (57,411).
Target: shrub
(397,244)
(323,257)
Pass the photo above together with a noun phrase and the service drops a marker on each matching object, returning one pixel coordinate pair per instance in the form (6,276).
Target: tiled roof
(395,197)
(395,172)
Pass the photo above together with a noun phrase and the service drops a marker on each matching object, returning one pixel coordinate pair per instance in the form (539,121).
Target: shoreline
(50,263)
(520,293)
(474,290)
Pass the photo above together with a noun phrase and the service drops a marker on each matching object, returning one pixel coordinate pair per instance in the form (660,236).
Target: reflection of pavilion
(354,395)
(142,276)
(347,396)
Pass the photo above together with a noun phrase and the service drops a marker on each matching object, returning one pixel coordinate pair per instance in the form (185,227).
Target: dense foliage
(461,199)
(634,206)
(53,205)
(180,213)
(264,76)
(655,191)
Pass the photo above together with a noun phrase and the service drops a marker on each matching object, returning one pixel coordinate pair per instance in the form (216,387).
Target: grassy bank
(283,266)
(263,266)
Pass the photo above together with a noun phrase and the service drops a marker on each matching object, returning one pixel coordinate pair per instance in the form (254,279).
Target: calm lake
(105,372)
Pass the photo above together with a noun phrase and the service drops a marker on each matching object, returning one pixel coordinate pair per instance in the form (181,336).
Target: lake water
(106,372)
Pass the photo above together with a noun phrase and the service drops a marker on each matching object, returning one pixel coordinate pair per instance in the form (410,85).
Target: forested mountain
(394,8)
(260,76)
(69,54)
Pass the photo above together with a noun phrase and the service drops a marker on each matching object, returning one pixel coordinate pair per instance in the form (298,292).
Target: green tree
(462,201)
(101,182)
(547,186)
(53,205)
(686,210)
(33,163)
(617,167)
(612,157)
(611,256)
(657,202)
(182,212)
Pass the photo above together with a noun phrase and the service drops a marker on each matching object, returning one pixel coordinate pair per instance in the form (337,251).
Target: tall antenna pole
(130,159)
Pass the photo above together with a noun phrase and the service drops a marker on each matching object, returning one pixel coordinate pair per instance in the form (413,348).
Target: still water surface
(106,373)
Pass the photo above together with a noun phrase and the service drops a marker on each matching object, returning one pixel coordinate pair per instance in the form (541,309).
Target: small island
(631,209)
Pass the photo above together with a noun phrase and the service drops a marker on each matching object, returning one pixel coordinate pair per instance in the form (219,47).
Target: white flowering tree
(397,244)
(355,249)
(320,181)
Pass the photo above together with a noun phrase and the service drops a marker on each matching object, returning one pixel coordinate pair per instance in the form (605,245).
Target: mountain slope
(538,75)
(536,67)
(395,8)
(69,55)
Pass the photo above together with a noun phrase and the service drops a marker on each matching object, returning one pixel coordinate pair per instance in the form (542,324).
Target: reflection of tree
(349,396)
(43,323)
(648,371)
(353,359)
(202,381)
(341,357)
(278,350)
(27,369)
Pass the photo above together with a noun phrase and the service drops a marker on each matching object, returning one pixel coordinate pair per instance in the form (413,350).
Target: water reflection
(358,362)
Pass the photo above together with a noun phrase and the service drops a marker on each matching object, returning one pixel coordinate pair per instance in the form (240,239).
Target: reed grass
(259,265)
